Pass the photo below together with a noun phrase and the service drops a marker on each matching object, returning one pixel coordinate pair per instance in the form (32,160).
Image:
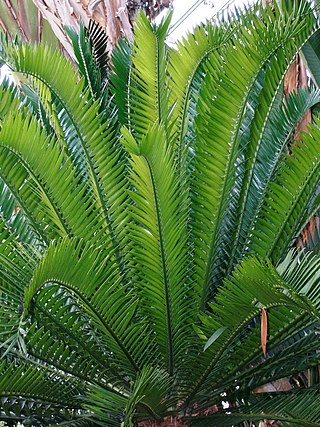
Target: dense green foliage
(147,220)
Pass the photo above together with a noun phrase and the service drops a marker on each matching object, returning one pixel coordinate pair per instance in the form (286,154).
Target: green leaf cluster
(147,216)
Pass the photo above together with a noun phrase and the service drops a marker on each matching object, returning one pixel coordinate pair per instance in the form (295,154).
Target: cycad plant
(148,216)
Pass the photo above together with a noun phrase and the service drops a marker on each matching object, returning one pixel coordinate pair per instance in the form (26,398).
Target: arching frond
(92,278)
(159,240)
(287,198)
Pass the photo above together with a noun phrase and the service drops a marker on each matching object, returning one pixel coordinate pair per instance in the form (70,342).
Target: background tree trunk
(44,20)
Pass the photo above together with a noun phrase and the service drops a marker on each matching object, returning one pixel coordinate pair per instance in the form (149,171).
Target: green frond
(311,55)
(287,198)
(15,220)
(253,286)
(90,275)
(8,100)
(277,134)
(83,119)
(220,114)
(90,51)
(148,393)
(99,41)
(33,392)
(17,265)
(59,330)
(298,407)
(120,79)
(262,153)
(107,408)
(90,140)
(50,189)
(185,67)
(148,79)
(159,240)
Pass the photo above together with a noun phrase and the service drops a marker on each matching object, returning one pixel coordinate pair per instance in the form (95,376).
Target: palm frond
(217,149)
(40,195)
(262,153)
(8,99)
(59,330)
(120,79)
(286,198)
(311,54)
(299,407)
(33,391)
(17,266)
(159,240)
(92,278)
(15,220)
(277,134)
(185,67)
(148,80)
(90,137)
(253,286)
(86,61)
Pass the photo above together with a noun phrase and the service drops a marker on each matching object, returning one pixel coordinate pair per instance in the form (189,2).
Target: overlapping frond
(185,67)
(8,99)
(299,407)
(91,58)
(148,77)
(287,198)
(253,286)
(159,240)
(220,113)
(82,121)
(90,275)
(42,180)
(120,79)
(278,132)
(267,141)
(33,392)
(58,332)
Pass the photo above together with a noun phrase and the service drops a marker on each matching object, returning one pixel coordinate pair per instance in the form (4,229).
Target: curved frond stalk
(311,56)
(83,115)
(277,134)
(91,66)
(221,110)
(257,158)
(184,67)
(62,337)
(159,240)
(8,100)
(121,62)
(17,266)
(92,278)
(50,395)
(148,393)
(253,286)
(43,179)
(105,406)
(298,407)
(13,217)
(287,196)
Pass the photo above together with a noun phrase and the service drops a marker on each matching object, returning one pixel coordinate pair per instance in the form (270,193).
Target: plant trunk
(166,422)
